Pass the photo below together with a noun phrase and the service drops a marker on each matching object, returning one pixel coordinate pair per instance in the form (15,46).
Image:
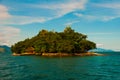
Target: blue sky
(99,19)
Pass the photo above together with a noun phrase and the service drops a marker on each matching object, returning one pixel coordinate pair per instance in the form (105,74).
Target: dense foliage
(67,41)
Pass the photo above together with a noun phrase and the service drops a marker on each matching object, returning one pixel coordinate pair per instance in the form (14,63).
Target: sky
(98,19)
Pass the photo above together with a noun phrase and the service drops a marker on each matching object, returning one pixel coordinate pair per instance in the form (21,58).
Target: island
(52,43)
(5,49)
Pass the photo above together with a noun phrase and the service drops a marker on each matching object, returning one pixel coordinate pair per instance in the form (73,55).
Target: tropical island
(51,43)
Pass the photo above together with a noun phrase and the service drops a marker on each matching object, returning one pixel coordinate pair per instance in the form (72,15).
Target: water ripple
(71,68)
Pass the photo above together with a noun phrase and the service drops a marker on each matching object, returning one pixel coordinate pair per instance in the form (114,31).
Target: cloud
(105,12)
(60,9)
(57,9)
(71,22)
(7,33)
(4,13)
(94,17)
(99,45)
(113,7)
(109,5)
(6,18)
(78,14)
(21,20)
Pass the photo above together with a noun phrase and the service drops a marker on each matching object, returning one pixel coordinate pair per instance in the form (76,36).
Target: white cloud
(4,13)
(61,9)
(109,5)
(58,10)
(7,33)
(99,45)
(21,20)
(71,22)
(114,10)
(6,18)
(94,17)
(78,14)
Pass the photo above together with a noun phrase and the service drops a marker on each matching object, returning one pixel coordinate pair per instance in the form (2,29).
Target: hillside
(4,48)
(101,50)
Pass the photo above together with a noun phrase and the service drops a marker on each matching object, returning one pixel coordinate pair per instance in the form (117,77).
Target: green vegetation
(67,41)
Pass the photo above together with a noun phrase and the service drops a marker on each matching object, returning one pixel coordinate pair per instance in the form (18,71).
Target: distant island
(101,50)
(4,48)
(51,43)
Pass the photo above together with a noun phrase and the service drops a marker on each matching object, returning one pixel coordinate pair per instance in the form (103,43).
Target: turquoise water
(66,68)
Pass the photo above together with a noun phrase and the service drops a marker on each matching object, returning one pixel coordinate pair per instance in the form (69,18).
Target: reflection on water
(66,68)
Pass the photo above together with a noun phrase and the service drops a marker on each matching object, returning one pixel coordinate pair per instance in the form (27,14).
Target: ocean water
(60,68)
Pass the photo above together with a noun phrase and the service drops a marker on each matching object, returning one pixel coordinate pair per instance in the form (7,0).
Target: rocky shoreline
(59,54)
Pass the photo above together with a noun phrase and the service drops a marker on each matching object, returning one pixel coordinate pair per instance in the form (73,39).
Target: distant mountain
(101,50)
(4,48)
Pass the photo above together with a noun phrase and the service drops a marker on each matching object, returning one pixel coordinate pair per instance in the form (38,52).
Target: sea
(60,68)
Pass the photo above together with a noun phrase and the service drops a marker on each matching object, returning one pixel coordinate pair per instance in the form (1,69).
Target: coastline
(23,54)
(59,54)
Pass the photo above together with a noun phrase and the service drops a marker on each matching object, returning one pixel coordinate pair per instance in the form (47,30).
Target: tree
(30,50)
(68,30)
(86,45)
(45,41)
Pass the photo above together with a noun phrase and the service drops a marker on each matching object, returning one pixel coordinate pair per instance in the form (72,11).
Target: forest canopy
(46,41)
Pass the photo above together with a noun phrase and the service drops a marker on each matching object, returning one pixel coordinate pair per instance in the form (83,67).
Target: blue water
(66,68)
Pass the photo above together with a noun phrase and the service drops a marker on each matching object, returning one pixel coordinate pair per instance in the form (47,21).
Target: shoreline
(59,54)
